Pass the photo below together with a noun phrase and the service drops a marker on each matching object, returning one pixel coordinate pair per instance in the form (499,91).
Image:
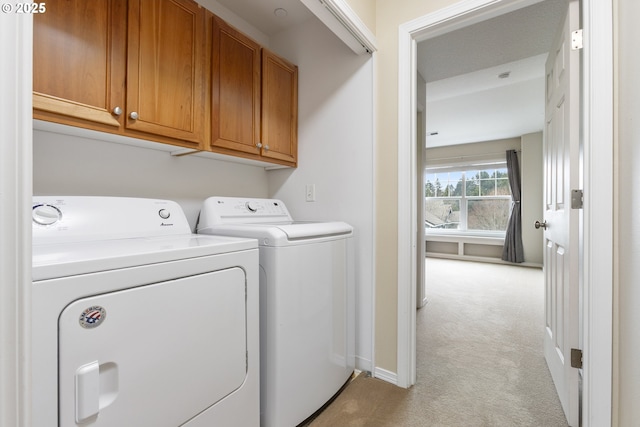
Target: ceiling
(466,101)
(506,38)
(261,13)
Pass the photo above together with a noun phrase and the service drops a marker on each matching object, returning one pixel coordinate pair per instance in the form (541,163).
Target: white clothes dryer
(137,321)
(307,334)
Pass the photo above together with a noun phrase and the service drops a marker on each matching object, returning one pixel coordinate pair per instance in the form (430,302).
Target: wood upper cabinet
(279,108)
(167,71)
(79,67)
(166,68)
(235,90)
(254,93)
(85,51)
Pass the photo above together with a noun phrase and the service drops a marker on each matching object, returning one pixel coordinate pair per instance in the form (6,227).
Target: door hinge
(576,39)
(576,358)
(577,199)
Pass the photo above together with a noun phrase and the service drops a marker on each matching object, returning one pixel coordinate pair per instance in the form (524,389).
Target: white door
(561,239)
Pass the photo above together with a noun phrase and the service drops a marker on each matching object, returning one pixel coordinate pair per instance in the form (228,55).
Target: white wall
(335,150)
(70,165)
(532,202)
(421,140)
(628,315)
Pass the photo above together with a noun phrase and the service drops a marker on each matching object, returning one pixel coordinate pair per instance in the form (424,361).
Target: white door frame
(15,218)
(597,128)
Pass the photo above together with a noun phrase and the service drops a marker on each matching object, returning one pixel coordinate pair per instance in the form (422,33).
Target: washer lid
(69,259)
(284,233)
(267,220)
(312,230)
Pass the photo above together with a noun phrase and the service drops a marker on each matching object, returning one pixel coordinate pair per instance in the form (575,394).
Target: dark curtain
(513,251)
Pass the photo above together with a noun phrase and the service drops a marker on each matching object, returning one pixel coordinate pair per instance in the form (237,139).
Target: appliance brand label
(92,317)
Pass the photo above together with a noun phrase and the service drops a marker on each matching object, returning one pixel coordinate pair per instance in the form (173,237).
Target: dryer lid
(75,258)
(78,235)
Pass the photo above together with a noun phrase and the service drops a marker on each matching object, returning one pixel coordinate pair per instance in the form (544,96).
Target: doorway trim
(16,126)
(597,128)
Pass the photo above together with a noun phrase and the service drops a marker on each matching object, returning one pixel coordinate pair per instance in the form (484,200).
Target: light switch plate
(310,193)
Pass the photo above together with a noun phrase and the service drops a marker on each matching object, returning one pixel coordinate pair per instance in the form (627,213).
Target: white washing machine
(137,321)
(306,303)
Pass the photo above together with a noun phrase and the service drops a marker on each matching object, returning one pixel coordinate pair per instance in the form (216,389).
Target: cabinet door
(165,69)
(235,119)
(79,61)
(279,109)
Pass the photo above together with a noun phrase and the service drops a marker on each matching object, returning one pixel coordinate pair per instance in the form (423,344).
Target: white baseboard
(388,376)
(363,364)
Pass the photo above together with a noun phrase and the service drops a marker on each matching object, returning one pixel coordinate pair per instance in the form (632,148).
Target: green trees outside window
(467,200)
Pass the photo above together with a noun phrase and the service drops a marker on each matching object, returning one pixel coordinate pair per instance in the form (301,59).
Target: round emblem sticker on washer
(92,317)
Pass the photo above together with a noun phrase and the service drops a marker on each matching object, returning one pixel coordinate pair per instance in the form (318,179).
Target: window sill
(464,247)
(480,239)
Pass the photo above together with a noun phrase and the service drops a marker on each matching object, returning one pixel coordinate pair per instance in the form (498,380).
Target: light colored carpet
(480,361)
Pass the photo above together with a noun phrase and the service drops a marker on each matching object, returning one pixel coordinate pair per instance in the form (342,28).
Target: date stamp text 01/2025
(20,8)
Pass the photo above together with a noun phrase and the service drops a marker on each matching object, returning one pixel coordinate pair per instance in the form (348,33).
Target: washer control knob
(251,206)
(164,213)
(46,214)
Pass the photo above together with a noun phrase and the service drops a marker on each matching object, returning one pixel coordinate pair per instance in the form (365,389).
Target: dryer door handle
(87,391)
(96,388)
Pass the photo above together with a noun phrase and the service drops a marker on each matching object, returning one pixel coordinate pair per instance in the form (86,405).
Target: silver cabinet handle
(259,145)
(266,147)
(539,225)
(133,115)
(117,111)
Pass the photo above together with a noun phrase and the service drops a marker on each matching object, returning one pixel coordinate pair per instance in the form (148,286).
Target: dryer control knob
(46,214)
(252,206)
(164,213)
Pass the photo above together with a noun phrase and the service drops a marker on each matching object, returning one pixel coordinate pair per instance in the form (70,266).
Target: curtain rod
(476,156)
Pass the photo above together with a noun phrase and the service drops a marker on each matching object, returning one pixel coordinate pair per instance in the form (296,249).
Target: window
(473,199)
